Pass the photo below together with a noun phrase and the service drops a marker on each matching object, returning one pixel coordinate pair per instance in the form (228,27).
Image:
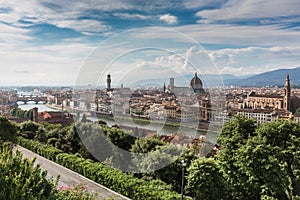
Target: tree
(297,111)
(74,139)
(233,136)
(21,179)
(29,126)
(262,170)
(41,135)
(18,112)
(119,137)
(154,160)
(25,114)
(13,111)
(236,132)
(284,136)
(171,174)
(144,145)
(263,162)
(29,129)
(8,130)
(205,181)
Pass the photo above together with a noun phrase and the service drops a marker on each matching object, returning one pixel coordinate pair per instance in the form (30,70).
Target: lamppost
(183,164)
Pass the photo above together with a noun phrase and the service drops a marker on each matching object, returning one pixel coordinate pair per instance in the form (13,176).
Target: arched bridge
(36,99)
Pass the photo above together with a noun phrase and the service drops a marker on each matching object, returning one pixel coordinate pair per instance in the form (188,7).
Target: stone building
(195,87)
(52,117)
(286,102)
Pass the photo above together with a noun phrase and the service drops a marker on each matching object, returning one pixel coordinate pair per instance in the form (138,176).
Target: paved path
(68,177)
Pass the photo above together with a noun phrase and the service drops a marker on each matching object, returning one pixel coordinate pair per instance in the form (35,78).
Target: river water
(160,128)
(29,105)
(41,107)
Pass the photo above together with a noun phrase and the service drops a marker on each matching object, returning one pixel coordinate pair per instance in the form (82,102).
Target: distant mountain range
(271,78)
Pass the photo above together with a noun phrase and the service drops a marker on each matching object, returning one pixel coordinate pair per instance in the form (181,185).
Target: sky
(45,42)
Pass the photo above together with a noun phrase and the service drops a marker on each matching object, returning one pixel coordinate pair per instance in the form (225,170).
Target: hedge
(116,180)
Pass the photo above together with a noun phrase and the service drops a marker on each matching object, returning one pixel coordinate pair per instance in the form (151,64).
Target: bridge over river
(35,99)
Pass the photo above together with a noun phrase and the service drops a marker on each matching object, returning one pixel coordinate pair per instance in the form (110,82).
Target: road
(69,177)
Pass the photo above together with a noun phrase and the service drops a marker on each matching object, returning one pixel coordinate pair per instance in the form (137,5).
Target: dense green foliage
(123,183)
(21,179)
(144,145)
(205,181)
(63,138)
(8,130)
(25,114)
(255,162)
(172,173)
(108,145)
(262,162)
(75,139)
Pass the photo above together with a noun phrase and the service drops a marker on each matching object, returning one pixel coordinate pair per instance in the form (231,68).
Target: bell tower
(172,85)
(287,93)
(108,82)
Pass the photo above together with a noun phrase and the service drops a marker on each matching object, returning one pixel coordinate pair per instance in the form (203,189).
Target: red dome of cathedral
(196,83)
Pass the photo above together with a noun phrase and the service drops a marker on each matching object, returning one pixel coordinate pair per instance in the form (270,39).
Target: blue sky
(45,42)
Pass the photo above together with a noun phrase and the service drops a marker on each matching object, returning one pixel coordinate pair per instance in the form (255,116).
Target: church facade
(196,87)
(274,101)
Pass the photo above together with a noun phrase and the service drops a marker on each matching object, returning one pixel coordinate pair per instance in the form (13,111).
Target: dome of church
(196,83)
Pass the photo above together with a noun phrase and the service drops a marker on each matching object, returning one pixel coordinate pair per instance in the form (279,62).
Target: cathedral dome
(196,83)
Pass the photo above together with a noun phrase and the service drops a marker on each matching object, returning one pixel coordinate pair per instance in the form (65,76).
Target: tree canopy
(8,130)
(255,161)
(260,162)
(205,181)
(21,179)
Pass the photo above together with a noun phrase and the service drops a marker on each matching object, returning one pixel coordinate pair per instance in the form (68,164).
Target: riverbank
(57,107)
(52,106)
(161,124)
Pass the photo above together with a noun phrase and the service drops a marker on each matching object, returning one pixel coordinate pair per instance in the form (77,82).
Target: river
(160,128)
(41,107)
(29,105)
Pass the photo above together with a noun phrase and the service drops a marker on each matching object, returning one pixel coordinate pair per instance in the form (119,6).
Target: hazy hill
(272,78)
(207,79)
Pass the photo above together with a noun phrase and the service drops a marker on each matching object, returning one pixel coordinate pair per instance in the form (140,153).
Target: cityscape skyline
(47,43)
(166,99)
(267,79)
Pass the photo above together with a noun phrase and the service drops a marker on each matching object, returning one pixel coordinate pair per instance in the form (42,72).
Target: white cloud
(103,5)
(131,16)
(192,4)
(249,9)
(47,65)
(186,62)
(88,26)
(282,47)
(241,35)
(60,63)
(127,66)
(170,19)
(60,13)
(223,35)
(254,60)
